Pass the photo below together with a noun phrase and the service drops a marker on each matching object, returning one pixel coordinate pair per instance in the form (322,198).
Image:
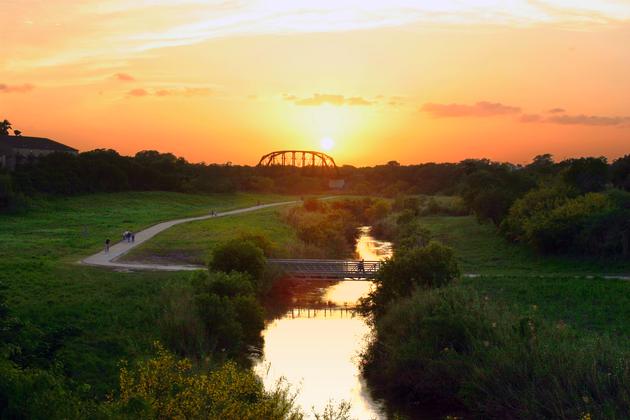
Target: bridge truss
(299,159)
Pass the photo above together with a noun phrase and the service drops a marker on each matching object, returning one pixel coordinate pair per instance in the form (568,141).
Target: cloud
(138,92)
(190,91)
(530,118)
(26,87)
(556,111)
(124,77)
(321,99)
(396,101)
(119,30)
(327,99)
(592,120)
(480,109)
(358,101)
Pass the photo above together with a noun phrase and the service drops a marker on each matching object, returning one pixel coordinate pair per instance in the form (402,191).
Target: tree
(586,174)
(240,256)
(620,173)
(5,126)
(17,132)
(409,269)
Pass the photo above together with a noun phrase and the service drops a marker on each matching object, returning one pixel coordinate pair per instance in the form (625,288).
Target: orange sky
(413,81)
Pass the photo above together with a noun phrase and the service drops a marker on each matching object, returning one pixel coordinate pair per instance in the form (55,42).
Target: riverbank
(499,345)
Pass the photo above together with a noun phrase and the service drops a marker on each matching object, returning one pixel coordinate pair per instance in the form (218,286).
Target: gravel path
(108,259)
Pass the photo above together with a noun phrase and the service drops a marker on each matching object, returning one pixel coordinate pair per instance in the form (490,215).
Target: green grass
(555,286)
(91,318)
(190,243)
(589,305)
(481,250)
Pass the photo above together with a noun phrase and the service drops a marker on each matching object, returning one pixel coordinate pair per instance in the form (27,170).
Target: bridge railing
(314,268)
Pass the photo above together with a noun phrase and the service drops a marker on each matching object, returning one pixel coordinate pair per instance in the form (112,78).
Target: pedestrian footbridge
(328,269)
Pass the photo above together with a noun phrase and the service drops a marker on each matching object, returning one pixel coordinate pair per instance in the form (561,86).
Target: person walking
(133,237)
(107,245)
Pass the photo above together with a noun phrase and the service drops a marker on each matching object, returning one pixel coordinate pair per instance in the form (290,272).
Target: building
(17,150)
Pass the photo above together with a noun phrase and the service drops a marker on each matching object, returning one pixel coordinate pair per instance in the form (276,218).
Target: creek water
(315,339)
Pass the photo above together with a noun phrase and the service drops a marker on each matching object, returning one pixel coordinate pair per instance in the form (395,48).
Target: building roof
(39,143)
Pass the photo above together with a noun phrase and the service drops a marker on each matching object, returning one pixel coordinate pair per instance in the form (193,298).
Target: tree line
(577,205)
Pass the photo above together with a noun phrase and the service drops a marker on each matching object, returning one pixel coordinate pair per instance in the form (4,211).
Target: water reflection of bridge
(323,312)
(328,269)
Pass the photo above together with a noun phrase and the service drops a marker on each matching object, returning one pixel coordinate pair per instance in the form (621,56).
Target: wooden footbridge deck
(328,269)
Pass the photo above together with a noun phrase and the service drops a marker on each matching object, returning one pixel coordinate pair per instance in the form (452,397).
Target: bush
(238,255)
(11,201)
(451,347)
(217,315)
(329,232)
(165,387)
(620,173)
(409,269)
(311,204)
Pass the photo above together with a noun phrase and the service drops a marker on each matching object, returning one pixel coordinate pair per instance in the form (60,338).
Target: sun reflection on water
(316,350)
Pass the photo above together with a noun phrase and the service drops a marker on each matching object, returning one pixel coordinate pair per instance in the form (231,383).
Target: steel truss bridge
(328,269)
(299,159)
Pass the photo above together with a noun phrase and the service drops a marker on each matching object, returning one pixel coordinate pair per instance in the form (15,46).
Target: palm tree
(5,126)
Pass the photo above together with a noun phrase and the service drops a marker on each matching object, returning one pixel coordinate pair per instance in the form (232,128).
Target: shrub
(409,269)
(311,204)
(268,248)
(536,204)
(411,235)
(452,347)
(238,255)
(620,173)
(166,387)
(332,230)
(217,315)
(377,211)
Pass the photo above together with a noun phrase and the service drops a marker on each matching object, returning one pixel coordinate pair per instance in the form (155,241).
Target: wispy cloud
(124,77)
(479,109)
(188,91)
(138,92)
(530,118)
(121,29)
(327,99)
(556,111)
(26,87)
(592,120)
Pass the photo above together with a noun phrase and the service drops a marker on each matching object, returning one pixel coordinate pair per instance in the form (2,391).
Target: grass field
(190,243)
(555,287)
(88,319)
(481,250)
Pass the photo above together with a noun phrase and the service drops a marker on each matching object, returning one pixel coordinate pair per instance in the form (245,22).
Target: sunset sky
(372,81)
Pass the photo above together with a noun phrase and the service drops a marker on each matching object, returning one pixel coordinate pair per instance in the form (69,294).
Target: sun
(327,143)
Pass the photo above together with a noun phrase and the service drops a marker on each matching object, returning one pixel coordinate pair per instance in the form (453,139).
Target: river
(315,340)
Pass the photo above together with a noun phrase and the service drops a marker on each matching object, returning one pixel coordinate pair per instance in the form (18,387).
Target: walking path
(108,259)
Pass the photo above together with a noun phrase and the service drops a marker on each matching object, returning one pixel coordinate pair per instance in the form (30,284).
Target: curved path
(108,259)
